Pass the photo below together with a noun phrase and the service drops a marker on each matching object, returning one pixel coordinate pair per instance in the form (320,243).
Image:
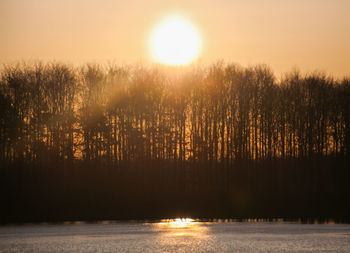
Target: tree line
(134,142)
(220,113)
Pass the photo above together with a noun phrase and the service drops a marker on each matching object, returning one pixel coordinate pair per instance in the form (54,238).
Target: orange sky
(307,34)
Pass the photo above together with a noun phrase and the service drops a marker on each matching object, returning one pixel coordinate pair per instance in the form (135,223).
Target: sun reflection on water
(183,234)
(179,222)
(181,227)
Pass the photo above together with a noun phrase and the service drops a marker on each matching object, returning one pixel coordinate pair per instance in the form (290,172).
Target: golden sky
(307,34)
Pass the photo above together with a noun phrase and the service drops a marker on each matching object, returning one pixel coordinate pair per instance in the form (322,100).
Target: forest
(144,142)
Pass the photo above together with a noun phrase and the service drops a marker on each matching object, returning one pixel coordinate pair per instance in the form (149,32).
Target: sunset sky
(307,34)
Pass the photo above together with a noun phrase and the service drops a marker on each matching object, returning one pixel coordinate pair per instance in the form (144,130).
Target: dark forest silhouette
(147,142)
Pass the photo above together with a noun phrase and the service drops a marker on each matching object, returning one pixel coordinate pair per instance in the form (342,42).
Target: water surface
(176,236)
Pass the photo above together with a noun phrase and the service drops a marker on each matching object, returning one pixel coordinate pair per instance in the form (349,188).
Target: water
(176,236)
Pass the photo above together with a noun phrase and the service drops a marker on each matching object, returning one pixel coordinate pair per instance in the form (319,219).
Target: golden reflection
(179,222)
(181,227)
(183,234)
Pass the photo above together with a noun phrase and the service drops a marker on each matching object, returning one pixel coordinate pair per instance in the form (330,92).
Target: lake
(180,235)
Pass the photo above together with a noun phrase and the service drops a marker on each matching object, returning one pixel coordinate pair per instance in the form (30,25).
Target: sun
(175,41)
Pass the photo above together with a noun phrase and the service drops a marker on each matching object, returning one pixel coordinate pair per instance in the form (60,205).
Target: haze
(308,34)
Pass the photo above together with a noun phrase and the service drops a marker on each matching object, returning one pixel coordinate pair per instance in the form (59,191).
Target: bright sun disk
(175,42)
